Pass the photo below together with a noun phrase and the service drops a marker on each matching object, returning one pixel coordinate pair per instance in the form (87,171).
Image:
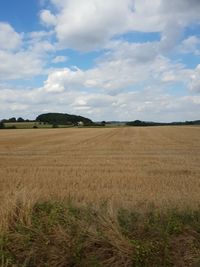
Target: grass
(30,125)
(61,234)
(134,197)
(26,125)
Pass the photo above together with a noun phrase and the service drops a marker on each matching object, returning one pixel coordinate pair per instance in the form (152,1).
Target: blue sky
(106,60)
(21,14)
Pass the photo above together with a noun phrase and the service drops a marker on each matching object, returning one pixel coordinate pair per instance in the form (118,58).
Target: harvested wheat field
(123,166)
(130,168)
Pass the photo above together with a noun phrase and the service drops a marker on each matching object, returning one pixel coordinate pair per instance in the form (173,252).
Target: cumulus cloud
(90,24)
(129,80)
(9,38)
(20,65)
(62,80)
(47,18)
(195,80)
(22,56)
(146,104)
(185,11)
(127,66)
(59,59)
(171,35)
(190,45)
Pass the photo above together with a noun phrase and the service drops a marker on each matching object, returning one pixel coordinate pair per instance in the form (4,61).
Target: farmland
(30,125)
(124,169)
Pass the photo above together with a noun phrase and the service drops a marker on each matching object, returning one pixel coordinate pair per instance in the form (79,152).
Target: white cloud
(146,104)
(63,80)
(90,24)
(195,80)
(190,45)
(23,56)
(59,59)
(171,35)
(38,36)
(20,65)
(9,38)
(48,18)
(185,11)
(128,65)
(194,99)
(128,81)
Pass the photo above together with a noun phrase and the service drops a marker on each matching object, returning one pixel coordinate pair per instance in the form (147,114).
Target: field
(26,125)
(112,170)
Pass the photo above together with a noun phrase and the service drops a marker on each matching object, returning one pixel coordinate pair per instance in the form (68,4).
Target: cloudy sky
(103,59)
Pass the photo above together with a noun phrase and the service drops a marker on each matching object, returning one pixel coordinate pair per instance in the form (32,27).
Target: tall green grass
(62,234)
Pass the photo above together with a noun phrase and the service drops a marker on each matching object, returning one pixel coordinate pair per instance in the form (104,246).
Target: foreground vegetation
(61,234)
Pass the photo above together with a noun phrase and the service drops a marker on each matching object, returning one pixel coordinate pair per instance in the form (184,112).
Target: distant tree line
(146,123)
(54,119)
(13,119)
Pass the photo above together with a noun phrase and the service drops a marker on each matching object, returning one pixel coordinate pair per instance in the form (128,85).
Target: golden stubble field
(124,167)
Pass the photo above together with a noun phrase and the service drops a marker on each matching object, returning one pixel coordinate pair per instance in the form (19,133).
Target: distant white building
(80,123)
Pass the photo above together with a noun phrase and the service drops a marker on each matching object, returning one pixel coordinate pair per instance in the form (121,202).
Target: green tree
(13,119)
(20,119)
(2,126)
(62,119)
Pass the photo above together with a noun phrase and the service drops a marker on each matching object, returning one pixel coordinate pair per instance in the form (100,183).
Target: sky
(105,60)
